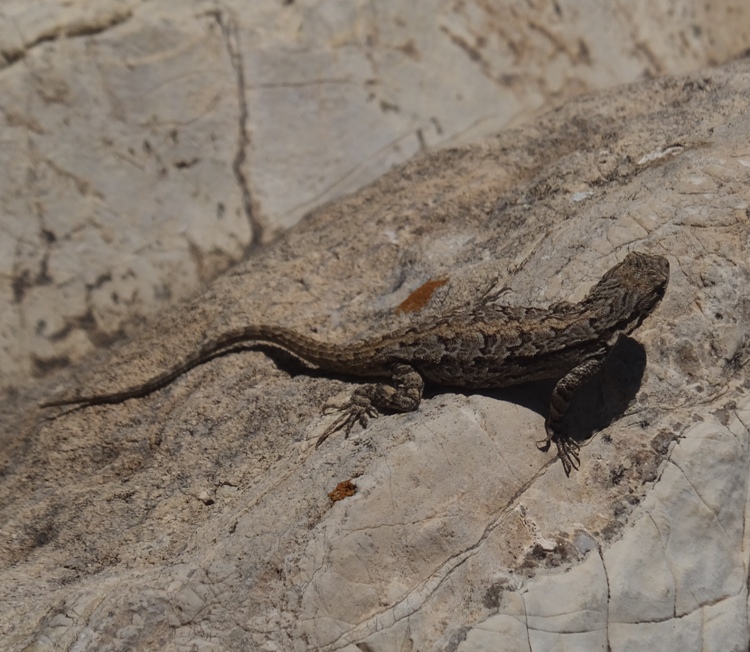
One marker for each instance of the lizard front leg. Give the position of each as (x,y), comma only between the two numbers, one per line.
(367,401)
(567,448)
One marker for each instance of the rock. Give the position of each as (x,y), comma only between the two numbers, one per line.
(461,535)
(149,146)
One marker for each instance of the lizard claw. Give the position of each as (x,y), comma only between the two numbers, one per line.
(359,409)
(567,451)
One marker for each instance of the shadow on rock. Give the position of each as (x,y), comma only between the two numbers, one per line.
(597,403)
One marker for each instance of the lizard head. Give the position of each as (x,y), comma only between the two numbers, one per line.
(632,288)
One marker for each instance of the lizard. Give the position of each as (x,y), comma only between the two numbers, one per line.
(483,347)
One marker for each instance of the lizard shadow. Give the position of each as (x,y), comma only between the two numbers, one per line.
(596,404)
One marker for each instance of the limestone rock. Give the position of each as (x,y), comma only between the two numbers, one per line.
(199,517)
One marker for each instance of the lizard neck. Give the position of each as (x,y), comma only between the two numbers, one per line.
(612,313)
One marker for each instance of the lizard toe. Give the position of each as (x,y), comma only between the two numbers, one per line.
(359,409)
(567,451)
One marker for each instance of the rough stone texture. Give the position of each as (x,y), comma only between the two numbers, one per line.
(198,517)
(148,145)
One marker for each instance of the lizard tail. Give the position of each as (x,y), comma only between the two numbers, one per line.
(319,353)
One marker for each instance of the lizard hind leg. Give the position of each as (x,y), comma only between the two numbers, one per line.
(367,401)
(567,448)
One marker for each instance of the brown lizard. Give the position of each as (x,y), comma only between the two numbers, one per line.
(485,347)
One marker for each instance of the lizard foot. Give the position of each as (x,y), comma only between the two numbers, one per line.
(359,409)
(567,451)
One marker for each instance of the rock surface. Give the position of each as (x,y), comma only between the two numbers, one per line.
(199,517)
(149,145)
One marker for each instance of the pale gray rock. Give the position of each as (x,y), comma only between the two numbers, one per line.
(199,518)
(149,145)
(676,578)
